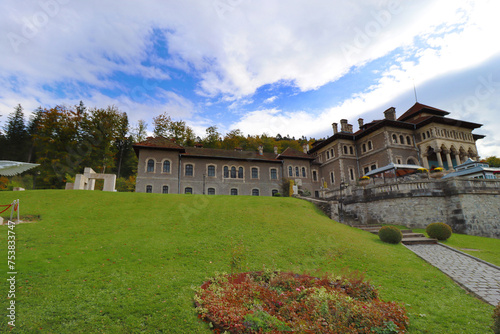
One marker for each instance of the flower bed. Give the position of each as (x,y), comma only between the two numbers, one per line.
(275,302)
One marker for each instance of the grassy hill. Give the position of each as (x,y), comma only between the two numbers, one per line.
(127,262)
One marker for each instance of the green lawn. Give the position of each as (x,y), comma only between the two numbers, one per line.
(126,262)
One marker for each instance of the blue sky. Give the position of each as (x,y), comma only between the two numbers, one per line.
(269,67)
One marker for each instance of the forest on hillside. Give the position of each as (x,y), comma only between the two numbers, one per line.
(64,140)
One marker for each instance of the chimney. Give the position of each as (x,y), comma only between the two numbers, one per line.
(275,149)
(349,128)
(335,128)
(390,114)
(360,122)
(343,125)
(305,148)
(261,149)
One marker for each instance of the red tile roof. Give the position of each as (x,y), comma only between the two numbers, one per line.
(418,108)
(160,142)
(293,153)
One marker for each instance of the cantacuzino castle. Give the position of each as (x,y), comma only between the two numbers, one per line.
(422,136)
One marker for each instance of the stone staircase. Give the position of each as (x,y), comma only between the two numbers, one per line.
(409,237)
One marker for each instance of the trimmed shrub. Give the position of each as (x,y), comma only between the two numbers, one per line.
(440,231)
(496,320)
(390,234)
(277,195)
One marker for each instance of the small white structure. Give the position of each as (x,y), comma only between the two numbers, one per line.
(474,169)
(86,181)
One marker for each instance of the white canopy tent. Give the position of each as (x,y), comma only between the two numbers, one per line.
(11,168)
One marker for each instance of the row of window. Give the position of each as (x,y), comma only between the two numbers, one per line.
(401,140)
(448,134)
(299,172)
(210,191)
(229,172)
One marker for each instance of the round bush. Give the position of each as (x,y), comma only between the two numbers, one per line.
(390,234)
(439,231)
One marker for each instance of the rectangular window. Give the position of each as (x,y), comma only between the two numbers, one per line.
(274,174)
(290,171)
(351,174)
(166,166)
(373,167)
(188,190)
(303,172)
(255,173)
(327,155)
(255,192)
(211,170)
(165,190)
(149,189)
(189,170)
(297,172)
(332,178)
(366,170)
(315,176)
(211,191)
(234,191)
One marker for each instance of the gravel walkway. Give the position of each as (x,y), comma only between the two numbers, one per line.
(479,277)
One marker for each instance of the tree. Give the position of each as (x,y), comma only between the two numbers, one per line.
(176,130)
(139,131)
(493,161)
(16,136)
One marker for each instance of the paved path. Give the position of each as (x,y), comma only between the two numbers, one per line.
(479,278)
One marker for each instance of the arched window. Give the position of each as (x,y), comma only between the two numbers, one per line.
(331,153)
(401,139)
(274,174)
(165,190)
(290,171)
(364,148)
(188,190)
(189,170)
(423,135)
(327,154)
(428,134)
(234,191)
(408,140)
(211,191)
(151,166)
(166,166)
(370,146)
(274,192)
(411,162)
(332,178)
(394,139)
(315,176)
(233,172)
(149,189)
(297,172)
(255,173)
(351,150)
(303,172)
(255,192)
(240,173)
(211,170)
(345,149)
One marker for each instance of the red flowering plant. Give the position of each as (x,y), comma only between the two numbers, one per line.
(275,302)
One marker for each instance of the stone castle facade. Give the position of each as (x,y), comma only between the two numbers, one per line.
(423,136)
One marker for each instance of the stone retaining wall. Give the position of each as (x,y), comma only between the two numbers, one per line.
(469,206)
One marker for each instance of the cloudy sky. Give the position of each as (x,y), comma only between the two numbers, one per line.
(263,66)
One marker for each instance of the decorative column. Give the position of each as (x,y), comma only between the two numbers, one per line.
(457,159)
(448,159)
(438,155)
(425,161)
